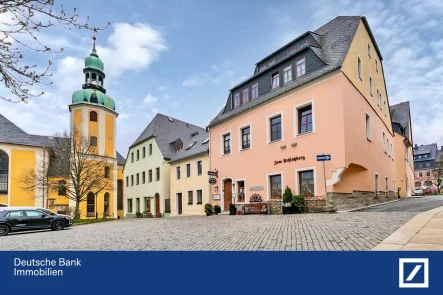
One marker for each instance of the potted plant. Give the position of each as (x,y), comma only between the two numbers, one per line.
(149,215)
(287,201)
(232,209)
(299,203)
(217,209)
(208,209)
(138,215)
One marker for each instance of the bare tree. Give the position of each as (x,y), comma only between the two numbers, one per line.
(75,170)
(21,21)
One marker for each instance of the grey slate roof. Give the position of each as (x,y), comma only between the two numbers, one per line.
(401,118)
(426,149)
(166,131)
(198,148)
(120,159)
(56,145)
(10,133)
(335,37)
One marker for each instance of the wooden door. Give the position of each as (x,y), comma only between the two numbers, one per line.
(227,189)
(180,203)
(157,203)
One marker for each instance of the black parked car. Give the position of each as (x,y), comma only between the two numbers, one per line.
(28,219)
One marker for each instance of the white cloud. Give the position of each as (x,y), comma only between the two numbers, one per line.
(131,47)
(162,88)
(149,100)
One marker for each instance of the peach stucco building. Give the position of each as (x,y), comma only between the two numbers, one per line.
(323,93)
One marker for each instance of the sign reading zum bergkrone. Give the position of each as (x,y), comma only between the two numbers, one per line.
(288,160)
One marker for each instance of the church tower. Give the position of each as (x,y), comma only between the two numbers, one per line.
(93,116)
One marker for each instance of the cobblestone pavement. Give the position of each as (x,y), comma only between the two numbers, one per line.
(340,231)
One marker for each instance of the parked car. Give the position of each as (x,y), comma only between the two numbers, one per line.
(46,211)
(419,192)
(12,220)
(3,205)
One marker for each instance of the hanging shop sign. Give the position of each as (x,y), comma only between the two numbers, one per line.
(212,180)
(288,160)
(213,173)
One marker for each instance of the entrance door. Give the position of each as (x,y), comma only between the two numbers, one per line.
(180,203)
(157,203)
(227,189)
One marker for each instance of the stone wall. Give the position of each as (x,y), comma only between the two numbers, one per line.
(356,199)
(275,206)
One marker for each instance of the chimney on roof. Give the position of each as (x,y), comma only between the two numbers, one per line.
(207,130)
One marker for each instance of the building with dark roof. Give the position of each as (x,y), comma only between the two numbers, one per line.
(402,126)
(147,169)
(189,186)
(424,166)
(322,93)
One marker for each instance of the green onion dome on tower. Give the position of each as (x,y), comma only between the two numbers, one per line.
(93,91)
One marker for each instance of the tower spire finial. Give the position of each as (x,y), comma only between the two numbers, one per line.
(94,51)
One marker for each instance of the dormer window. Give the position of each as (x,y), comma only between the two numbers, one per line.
(262,68)
(292,50)
(271,63)
(245,95)
(179,146)
(303,44)
(194,134)
(191,145)
(301,67)
(236,100)
(275,80)
(254,91)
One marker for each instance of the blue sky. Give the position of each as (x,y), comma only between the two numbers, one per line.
(181,57)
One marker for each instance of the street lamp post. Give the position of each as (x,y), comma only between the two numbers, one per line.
(96,203)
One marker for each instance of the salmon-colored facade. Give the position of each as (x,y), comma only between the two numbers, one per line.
(348,123)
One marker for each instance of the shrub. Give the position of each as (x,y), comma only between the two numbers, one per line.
(208,209)
(287,197)
(298,201)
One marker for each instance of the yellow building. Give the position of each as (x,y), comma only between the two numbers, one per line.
(401,124)
(188,177)
(30,164)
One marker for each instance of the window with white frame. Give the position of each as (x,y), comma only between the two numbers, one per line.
(275,80)
(236,100)
(301,67)
(304,117)
(245,96)
(199,196)
(227,144)
(287,74)
(368,127)
(190,198)
(245,138)
(359,69)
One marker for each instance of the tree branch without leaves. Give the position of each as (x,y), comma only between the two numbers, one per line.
(72,169)
(21,21)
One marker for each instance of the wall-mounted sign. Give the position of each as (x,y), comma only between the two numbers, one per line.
(212,180)
(213,173)
(288,160)
(256,188)
(216,197)
(323,158)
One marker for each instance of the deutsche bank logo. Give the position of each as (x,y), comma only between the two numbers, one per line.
(414,272)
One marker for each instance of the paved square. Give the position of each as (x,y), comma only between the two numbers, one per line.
(340,231)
